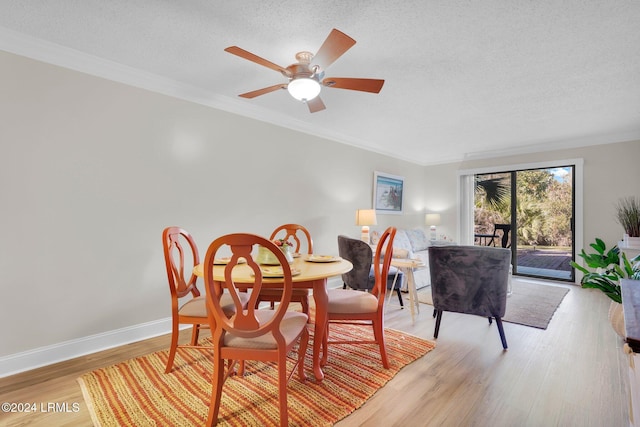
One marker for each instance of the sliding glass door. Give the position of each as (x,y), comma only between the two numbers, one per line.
(530,211)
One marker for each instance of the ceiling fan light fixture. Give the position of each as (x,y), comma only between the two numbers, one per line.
(304,88)
(306,78)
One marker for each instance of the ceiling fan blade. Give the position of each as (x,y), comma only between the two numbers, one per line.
(255,58)
(264,90)
(316,105)
(363,85)
(333,47)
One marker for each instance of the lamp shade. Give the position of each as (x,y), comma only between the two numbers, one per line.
(304,88)
(366,217)
(432,219)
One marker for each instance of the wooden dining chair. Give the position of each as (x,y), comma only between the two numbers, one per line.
(251,334)
(187,305)
(298,234)
(360,307)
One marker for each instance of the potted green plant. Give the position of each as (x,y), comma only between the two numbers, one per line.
(628,215)
(605,274)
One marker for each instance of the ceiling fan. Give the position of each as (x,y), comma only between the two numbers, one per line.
(306,77)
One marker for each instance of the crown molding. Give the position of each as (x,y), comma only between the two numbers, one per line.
(555,145)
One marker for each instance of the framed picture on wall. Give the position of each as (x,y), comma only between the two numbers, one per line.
(388,192)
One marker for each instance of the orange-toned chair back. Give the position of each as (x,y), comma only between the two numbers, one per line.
(175,241)
(381,263)
(292,232)
(244,323)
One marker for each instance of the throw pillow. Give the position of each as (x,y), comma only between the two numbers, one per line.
(418,239)
(402,243)
(400,253)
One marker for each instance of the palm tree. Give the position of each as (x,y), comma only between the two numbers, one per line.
(493,190)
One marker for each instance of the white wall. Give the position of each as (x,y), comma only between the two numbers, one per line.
(93,170)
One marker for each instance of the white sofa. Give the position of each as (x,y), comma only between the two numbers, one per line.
(412,243)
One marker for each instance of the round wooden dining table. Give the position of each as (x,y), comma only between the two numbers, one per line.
(312,275)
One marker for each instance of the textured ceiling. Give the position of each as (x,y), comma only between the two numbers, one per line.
(464,79)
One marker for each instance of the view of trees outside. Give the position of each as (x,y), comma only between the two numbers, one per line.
(492,201)
(543,209)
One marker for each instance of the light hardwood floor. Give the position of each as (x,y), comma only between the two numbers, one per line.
(572,374)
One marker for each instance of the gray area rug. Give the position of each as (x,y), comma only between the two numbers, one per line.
(530,304)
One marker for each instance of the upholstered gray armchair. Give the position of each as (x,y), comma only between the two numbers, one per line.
(361,276)
(470,280)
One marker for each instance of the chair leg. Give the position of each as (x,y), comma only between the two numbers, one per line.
(173,347)
(400,298)
(501,330)
(325,346)
(305,307)
(302,351)
(438,320)
(378,333)
(282,389)
(216,390)
(231,368)
(195,333)
(490,320)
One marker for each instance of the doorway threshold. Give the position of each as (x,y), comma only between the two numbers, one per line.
(544,273)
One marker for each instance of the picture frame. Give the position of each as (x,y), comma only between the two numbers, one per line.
(388,193)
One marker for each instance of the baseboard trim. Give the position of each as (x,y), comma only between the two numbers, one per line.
(43,356)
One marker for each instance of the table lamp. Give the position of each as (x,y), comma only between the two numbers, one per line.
(365,218)
(432,220)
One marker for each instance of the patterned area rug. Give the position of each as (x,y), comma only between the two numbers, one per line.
(530,304)
(138,392)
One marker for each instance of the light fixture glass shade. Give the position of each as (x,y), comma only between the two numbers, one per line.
(365,218)
(304,88)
